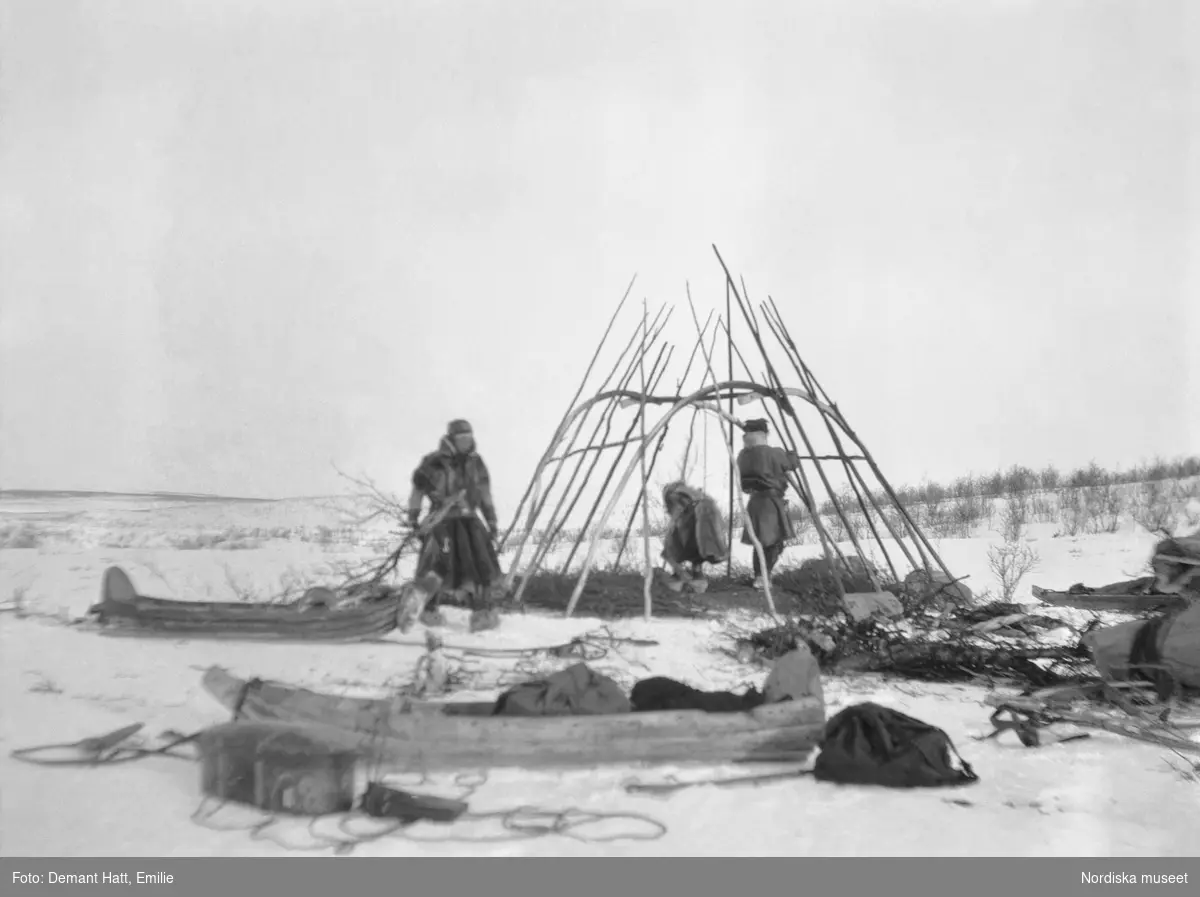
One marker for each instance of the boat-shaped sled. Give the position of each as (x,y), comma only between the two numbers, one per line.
(1134,597)
(401,735)
(122,610)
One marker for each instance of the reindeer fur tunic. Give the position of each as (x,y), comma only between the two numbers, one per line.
(444,474)
(458,548)
(763,471)
(696,534)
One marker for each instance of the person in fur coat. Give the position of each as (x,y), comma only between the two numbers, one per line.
(459,547)
(695,535)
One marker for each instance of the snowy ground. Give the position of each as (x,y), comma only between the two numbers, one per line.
(1103,796)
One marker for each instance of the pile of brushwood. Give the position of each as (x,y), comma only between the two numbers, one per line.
(942,635)
(991,642)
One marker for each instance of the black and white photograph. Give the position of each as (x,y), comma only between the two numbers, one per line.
(605,428)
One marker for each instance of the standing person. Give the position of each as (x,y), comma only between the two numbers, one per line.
(458,547)
(763,471)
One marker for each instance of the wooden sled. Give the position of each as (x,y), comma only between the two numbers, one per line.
(123,611)
(400,735)
(1133,600)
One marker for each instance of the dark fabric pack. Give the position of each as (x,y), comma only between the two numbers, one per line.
(392,803)
(661,693)
(576,691)
(1145,658)
(868,744)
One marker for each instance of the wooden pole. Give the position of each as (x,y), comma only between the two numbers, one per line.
(578,414)
(758,548)
(572,418)
(679,384)
(897,537)
(851,471)
(558,517)
(922,544)
(805,499)
(637,504)
(656,374)
(648,569)
(561,516)
(680,403)
(529,489)
(657,370)
(687,449)
(733,462)
(738,389)
(828,546)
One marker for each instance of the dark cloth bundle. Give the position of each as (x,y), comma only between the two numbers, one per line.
(661,693)
(868,744)
(577,690)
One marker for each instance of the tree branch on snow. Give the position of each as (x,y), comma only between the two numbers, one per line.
(370,504)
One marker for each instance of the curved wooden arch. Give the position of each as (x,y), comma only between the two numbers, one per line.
(549,459)
(682,403)
(747,392)
(705,398)
(741,390)
(710,408)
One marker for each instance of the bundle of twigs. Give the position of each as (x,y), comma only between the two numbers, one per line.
(374,575)
(950,649)
(960,659)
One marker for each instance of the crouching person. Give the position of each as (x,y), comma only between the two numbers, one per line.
(695,536)
(459,547)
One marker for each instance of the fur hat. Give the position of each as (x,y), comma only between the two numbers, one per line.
(758,425)
(458,427)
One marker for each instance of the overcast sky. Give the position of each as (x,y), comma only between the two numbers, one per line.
(243,240)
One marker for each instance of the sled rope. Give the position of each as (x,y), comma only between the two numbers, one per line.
(103,750)
(589,646)
(110,748)
(523,823)
(518,823)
